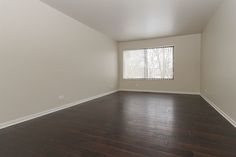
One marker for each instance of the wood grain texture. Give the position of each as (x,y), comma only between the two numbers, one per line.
(125,124)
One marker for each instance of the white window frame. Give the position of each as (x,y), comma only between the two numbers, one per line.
(148,78)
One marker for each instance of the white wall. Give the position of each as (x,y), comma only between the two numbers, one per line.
(186,64)
(45,54)
(218,59)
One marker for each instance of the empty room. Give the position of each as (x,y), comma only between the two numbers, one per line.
(118,78)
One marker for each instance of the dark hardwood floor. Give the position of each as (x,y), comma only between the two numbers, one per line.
(125,124)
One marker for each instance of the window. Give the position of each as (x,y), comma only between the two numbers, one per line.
(153,63)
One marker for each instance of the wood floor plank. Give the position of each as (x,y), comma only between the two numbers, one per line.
(125,124)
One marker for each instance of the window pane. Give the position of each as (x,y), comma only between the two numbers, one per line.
(160,63)
(155,63)
(133,64)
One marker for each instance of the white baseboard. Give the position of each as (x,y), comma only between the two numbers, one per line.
(40,114)
(154,91)
(219,110)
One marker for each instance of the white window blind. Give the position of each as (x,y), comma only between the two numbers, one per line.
(153,63)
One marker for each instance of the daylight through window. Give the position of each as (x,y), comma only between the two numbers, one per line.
(151,63)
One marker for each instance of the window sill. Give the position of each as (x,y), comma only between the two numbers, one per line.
(149,79)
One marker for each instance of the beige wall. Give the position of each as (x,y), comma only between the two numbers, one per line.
(218,70)
(186,64)
(45,54)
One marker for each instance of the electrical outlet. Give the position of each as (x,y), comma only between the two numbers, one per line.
(61,97)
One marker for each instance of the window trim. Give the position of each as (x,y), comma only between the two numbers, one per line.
(150,79)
